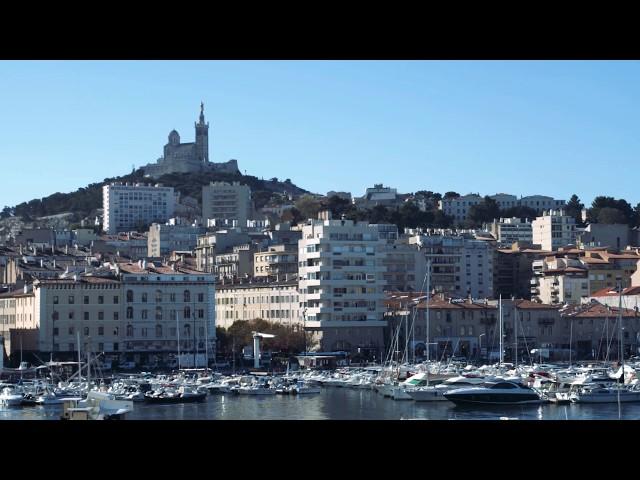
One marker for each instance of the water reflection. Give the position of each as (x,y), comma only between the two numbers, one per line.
(342,404)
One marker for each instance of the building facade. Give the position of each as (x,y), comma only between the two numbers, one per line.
(131,206)
(278,302)
(279,262)
(341,280)
(554,229)
(226,201)
(511,230)
(164,239)
(132,313)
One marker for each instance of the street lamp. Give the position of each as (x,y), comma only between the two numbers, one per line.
(480,345)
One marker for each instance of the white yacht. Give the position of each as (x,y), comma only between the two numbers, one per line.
(605,394)
(435,393)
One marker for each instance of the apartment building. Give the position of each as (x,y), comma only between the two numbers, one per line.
(553,230)
(129,207)
(511,230)
(460,266)
(210,244)
(129,311)
(278,262)
(459,207)
(572,276)
(513,270)
(278,302)
(341,280)
(164,238)
(226,201)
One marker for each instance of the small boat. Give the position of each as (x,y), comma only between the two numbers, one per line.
(501,393)
(182,395)
(9,397)
(301,388)
(602,394)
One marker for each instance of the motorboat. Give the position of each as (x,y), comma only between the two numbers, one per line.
(605,394)
(10,398)
(97,406)
(435,393)
(301,388)
(500,393)
(181,395)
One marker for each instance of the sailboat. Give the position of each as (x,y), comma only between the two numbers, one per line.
(613,393)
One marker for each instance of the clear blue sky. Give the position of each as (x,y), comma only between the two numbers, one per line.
(552,128)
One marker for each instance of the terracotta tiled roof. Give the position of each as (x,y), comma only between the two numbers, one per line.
(529,305)
(610,292)
(595,310)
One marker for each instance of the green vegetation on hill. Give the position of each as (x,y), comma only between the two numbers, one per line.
(84,201)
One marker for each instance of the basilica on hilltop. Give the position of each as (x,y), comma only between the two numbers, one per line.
(190,157)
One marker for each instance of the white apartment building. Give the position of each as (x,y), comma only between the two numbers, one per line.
(510,230)
(458,208)
(554,229)
(459,266)
(341,280)
(278,302)
(226,201)
(127,206)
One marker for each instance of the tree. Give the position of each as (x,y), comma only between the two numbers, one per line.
(485,211)
(520,211)
(339,206)
(308,206)
(574,208)
(611,215)
(609,202)
(451,195)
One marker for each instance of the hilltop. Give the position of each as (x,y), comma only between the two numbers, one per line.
(85,201)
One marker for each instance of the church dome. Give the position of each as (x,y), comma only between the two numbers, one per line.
(174,138)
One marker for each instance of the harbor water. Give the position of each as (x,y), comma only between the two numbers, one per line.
(342,404)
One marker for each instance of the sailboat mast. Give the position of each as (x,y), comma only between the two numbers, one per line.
(515,334)
(178,334)
(79,358)
(428,300)
(500,304)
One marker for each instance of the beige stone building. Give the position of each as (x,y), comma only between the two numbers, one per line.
(278,302)
(132,313)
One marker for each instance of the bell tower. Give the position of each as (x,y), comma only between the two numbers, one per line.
(202,137)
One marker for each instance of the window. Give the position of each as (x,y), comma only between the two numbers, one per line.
(129,330)
(101,299)
(86,299)
(71,347)
(72,299)
(55,300)
(55,331)
(144,297)
(201,297)
(55,316)
(116,299)
(70,330)
(187,312)
(158,331)
(115,316)
(187,296)
(158,313)
(70,315)
(100,330)
(172,297)
(101,347)
(86,315)
(187,329)
(100,315)
(129,296)
(158,296)
(115,347)
(129,312)
(116,330)
(86,331)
